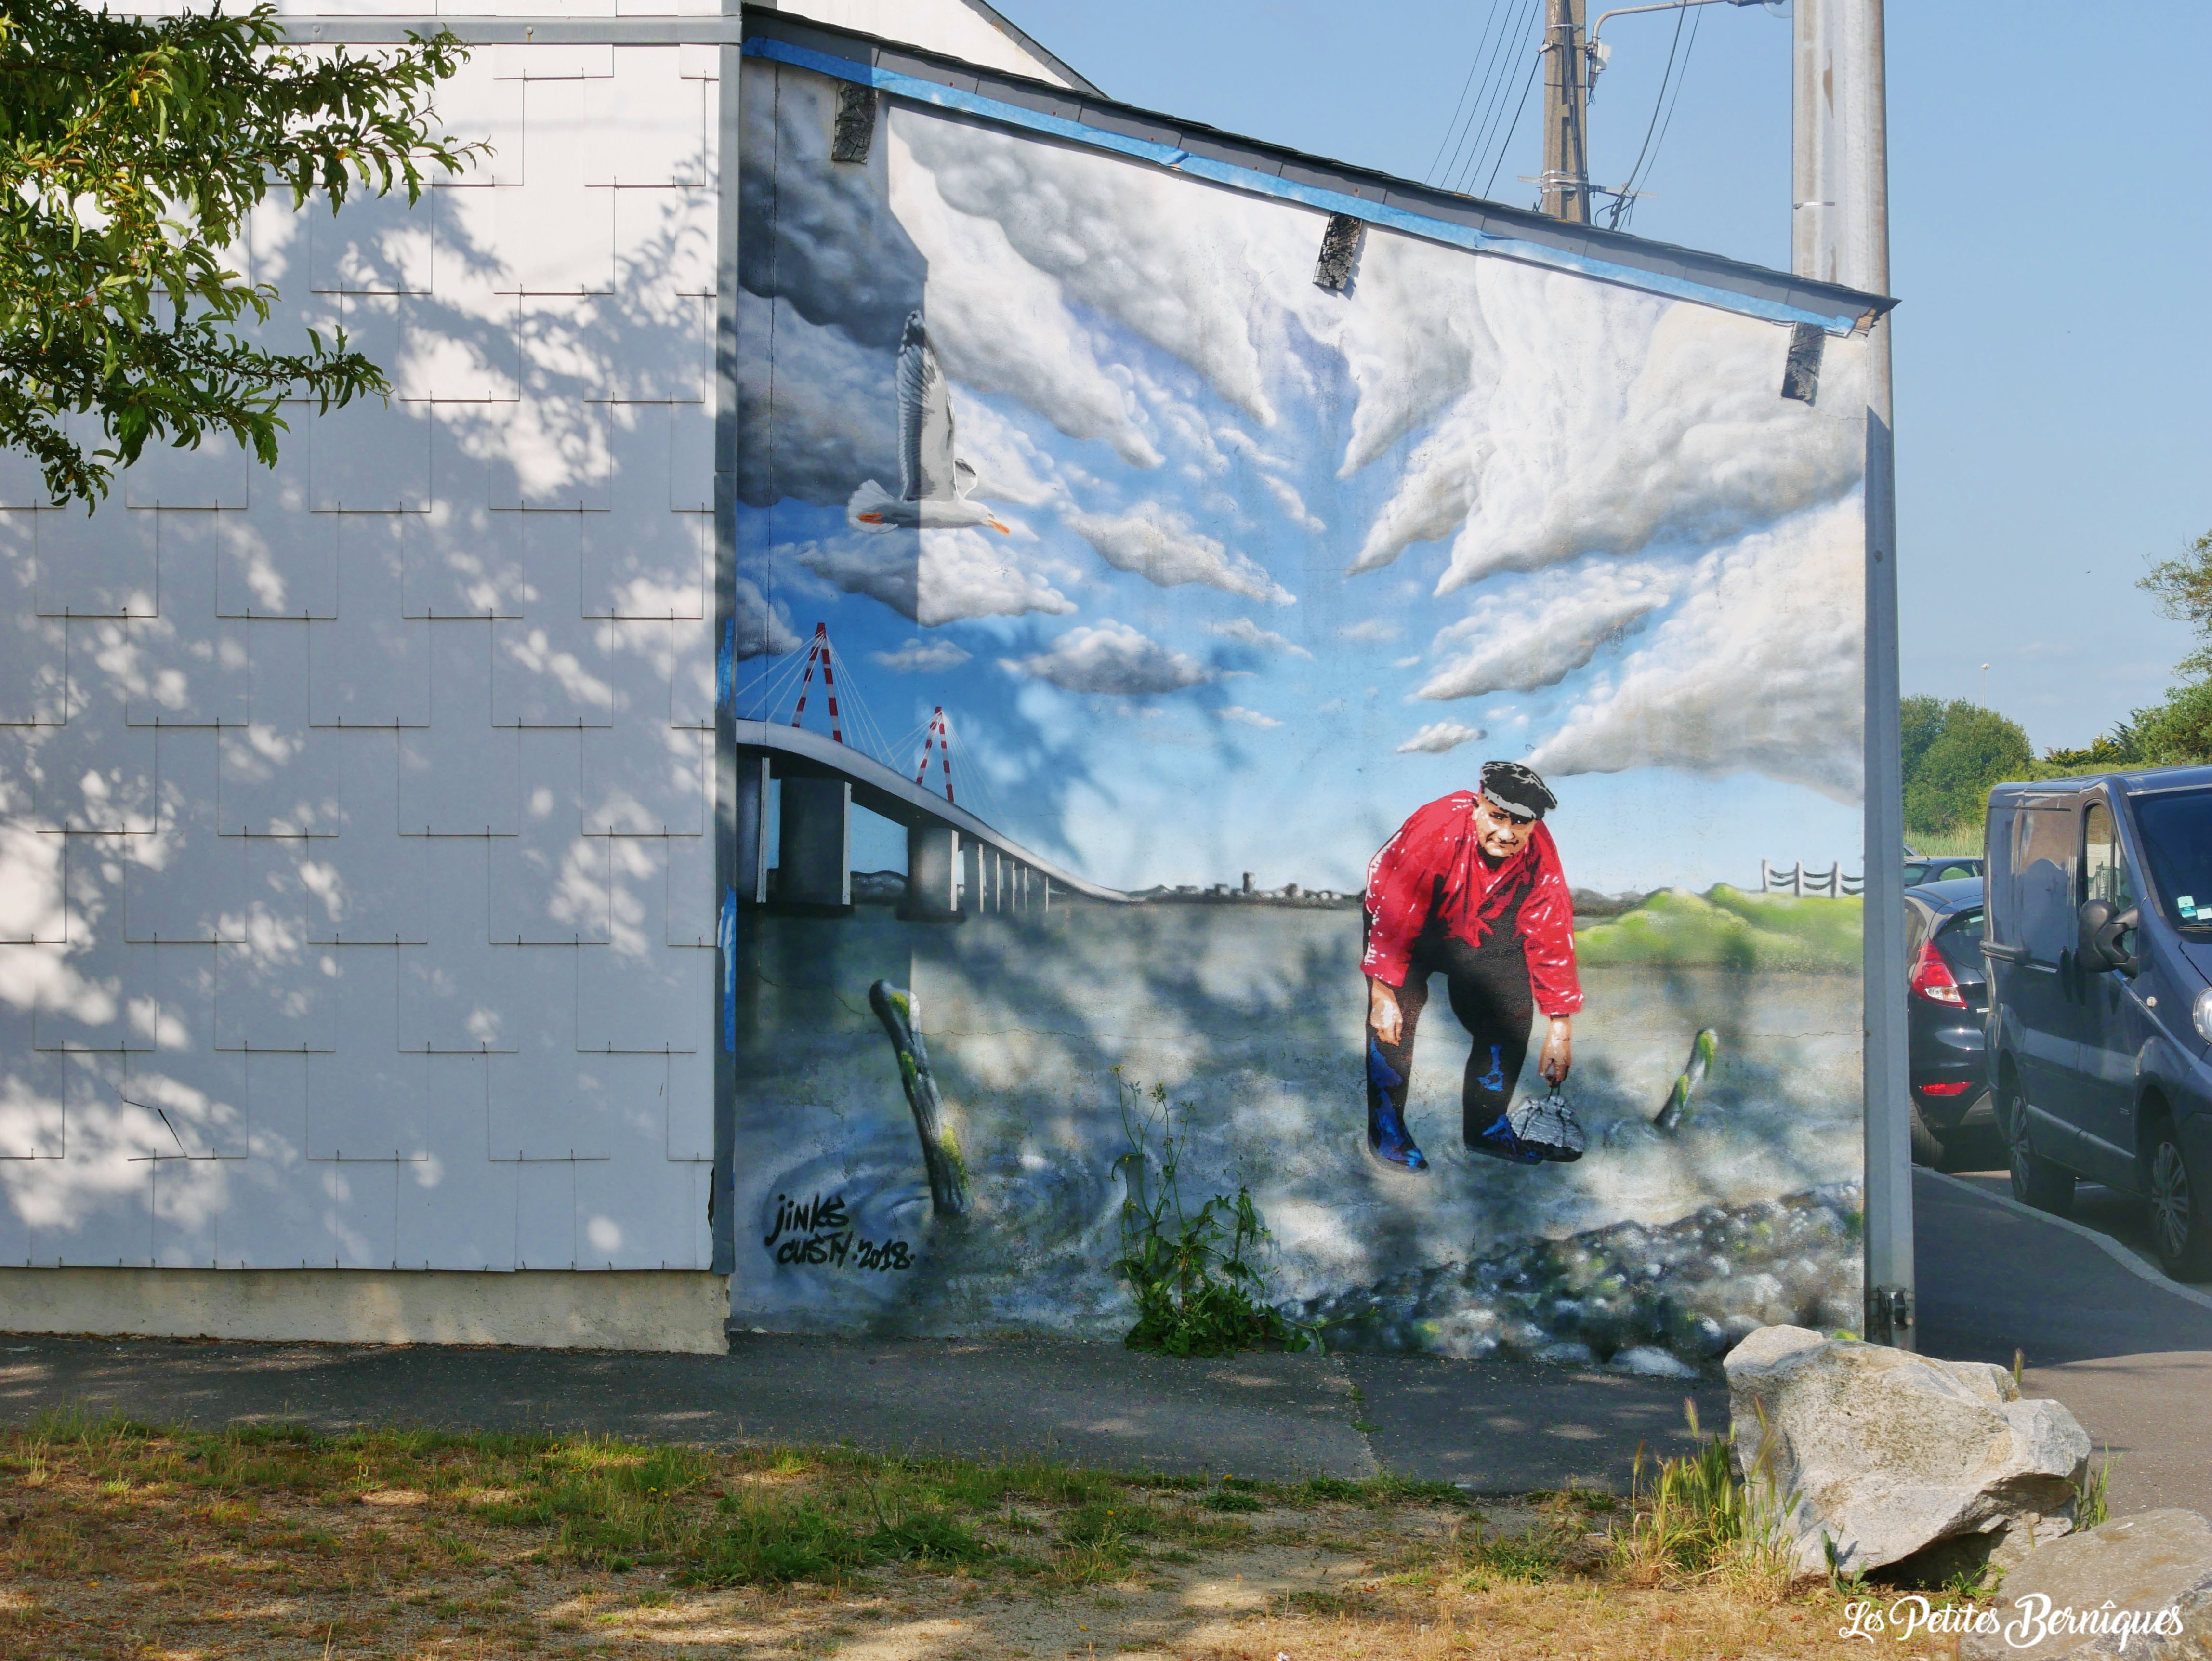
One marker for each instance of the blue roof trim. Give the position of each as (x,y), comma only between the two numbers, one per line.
(1260,184)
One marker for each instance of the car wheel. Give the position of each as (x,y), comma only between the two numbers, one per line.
(2179,1220)
(2035,1180)
(1926,1146)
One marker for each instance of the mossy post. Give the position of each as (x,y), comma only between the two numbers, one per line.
(1668,1119)
(948,1172)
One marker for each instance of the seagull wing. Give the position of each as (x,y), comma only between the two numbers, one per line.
(926,460)
(914,366)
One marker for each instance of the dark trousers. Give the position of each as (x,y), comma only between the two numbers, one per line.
(1488,986)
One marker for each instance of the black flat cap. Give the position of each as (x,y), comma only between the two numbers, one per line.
(1517,790)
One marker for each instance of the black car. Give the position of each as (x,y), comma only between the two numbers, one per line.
(1921,869)
(1948,1003)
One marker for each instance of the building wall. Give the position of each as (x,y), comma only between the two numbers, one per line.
(1219,568)
(354,848)
(533,1309)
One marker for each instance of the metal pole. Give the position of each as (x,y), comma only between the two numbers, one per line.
(1839,232)
(1566,100)
(733,981)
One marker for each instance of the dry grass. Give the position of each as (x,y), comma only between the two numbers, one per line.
(120,1540)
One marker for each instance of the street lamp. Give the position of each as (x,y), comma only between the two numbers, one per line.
(1600,52)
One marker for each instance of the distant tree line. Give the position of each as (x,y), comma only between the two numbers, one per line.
(1953,752)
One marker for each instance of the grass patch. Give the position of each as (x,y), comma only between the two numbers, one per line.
(1231,1500)
(125,1539)
(1729,928)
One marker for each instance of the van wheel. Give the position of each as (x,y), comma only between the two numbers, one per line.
(2035,1180)
(1926,1146)
(2178,1221)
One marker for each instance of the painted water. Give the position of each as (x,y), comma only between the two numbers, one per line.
(1045,1030)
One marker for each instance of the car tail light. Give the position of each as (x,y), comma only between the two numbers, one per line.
(1947,1087)
(1932,979)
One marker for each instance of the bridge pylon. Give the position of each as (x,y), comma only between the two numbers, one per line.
(817,651)
(939,734)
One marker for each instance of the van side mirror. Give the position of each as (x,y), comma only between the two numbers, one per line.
(2105,936)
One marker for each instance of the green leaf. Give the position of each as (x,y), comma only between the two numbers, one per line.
(131,152)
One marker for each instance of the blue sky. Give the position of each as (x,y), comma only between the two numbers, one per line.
(2047,244)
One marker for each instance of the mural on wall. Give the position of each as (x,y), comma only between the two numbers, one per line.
(1174,671)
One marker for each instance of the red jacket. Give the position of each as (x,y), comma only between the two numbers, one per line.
(1434,866)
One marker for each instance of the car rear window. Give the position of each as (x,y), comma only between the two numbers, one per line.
(1960,941)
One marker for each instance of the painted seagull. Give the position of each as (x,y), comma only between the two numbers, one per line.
(933,482)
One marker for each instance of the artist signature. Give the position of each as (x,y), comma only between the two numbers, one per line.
(818,1232)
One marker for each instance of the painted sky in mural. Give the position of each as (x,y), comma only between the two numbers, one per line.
(1280,563)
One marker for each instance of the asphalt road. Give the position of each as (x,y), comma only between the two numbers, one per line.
(2098,1325)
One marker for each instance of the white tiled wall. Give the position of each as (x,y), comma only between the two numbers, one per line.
(356,900)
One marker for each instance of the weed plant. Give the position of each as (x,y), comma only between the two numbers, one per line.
(1195,1274)
(1694,1517)
(2092,1500)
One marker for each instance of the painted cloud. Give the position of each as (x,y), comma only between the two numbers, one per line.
(1163,547)
(1112,658)
(1540,631)
(1759,669)
(935,577)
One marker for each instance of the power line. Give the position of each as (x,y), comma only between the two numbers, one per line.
(1620,203)
(1660,143)
(1473,63)
(1494,75)
(1497,107)
(1534,63)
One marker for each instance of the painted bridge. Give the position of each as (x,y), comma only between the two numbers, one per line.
(955,862)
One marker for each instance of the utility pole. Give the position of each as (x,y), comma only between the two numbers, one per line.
(1566,113)
(1839,233)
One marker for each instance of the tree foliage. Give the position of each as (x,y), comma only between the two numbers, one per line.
(2121,747)
(2179,729)
(130,154)
(2183,587)
(1953,752)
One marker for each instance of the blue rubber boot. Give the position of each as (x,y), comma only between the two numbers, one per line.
(1500,1142)
(1388,1138)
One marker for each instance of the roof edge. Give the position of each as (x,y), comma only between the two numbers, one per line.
(1030,44)
(1206,152)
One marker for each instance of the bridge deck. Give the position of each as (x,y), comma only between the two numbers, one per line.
(885,791)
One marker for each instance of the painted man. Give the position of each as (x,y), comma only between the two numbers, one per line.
(1471,886)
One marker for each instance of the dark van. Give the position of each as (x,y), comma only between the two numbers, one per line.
(2098,940)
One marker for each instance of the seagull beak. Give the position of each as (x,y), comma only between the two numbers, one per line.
(1000,529)
(871,519)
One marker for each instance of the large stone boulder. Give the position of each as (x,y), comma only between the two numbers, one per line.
(1897,1460)
(2142,1584)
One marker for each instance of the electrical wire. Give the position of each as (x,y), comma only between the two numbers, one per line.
(1493,59)
(1620,203)
(1473,63)
(1660,143)
(1507,143)
(1531,21)
(1497,77)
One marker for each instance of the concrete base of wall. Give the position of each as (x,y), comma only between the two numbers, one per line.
(655,1310)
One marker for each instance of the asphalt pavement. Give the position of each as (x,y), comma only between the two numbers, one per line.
(1494,1428)
(2099,1326)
